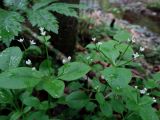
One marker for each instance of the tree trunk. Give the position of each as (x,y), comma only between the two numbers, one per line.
(66,39)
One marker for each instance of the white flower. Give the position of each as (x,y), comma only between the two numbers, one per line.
(33,68)
(0,37)
(102,77)
(69,58)
(93,39)
(136,87)
(135,55)
(142,91)
(28,62)
(147,94)
(141,49)
(21,40)
(133,39)
(99,43)
(43,33)
(32,42)
(66,60)
(145,89)
(154,99)
(41,29)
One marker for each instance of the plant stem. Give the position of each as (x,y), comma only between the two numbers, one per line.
(121,56)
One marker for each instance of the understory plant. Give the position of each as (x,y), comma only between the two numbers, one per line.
(99,84)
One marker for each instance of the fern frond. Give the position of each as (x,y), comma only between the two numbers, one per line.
(16,4)
(43,18)
(64,9)
(10,25)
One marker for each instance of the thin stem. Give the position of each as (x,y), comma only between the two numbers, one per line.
(106,57)
(121,56)
(125,63)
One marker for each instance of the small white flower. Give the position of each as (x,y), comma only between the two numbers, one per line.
(64,61)
(32,42)
(69,58)
(99,43)
(133,39)
(136,87)
(102,77)
(41,29)
(147,94)
(93,39)
(154,99)
(0,37)
(142,91)
(145,89)
(21,40)
(28,62)
(33,68)
(135,55)
(141,49)
(43,33)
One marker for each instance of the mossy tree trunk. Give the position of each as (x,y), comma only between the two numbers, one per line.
(66,39)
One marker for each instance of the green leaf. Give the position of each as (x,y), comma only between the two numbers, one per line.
(150,83)
(10,25)
(41,3)
(117,77)
(16,4)
(156,76)
(19,78)
(15,115)
(10,58)
(5,96)
(148,113)
(43,18)
(64,9)
(31,101)
(117,106)
(34,115)
(77,99)
(122,36)
(55,88)
(128,51)
(91,106)
(106,109)
(73,71)
(109,50)
(100,98)
(46,67)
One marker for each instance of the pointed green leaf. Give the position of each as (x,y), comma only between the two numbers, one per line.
(73,71)
(19,78)
(10,58)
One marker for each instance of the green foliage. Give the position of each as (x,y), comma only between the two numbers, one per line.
(73,71)
(55,88)
(115,77)
(10,58)
(10,25)
(40,14)
(18,78)
(98,83)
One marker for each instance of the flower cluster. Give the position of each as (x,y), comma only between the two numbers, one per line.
(66,60)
